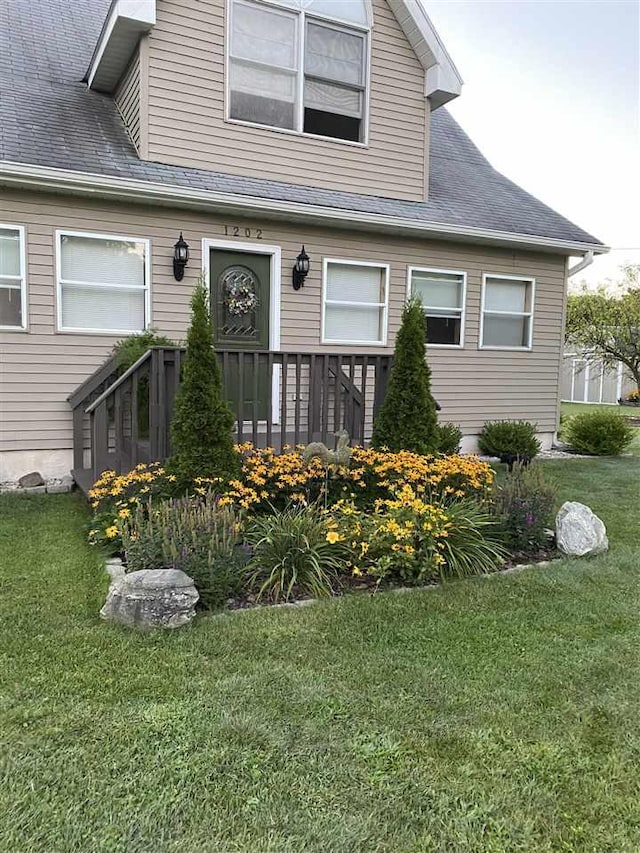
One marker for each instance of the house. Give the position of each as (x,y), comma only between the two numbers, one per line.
(254,128)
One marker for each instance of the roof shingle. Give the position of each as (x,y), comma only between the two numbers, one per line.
(48,117)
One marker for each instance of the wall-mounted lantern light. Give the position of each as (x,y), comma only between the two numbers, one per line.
(180,258)
(300,269)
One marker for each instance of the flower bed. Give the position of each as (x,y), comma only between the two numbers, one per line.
(289,528)
(269,480)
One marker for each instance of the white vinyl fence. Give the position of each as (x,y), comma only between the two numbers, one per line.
(585,380)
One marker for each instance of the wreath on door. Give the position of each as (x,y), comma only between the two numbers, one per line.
(239,285)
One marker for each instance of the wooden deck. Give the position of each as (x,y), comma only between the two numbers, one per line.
(279,398)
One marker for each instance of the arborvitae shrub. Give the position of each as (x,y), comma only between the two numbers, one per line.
(407,419)
(515,439)
(599,433)
(201,430)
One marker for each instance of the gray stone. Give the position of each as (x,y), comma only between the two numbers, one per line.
(58,488)
(579,532)
(30,480)
(152,598)
(35,490)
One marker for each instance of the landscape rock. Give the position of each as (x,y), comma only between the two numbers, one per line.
(579,532)
(58,488)
(31,480)
(151,598)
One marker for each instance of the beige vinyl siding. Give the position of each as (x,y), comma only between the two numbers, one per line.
(127,100)
(186,98)
(40,368)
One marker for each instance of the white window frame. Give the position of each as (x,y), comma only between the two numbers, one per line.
(147,282)
(22,278)
(384,305)
(530,314)
(463,309)
(303,16)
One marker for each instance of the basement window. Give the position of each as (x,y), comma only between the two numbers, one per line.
(13,313)
(300,67)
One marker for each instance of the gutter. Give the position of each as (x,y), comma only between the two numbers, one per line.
(29,176)
(581,265)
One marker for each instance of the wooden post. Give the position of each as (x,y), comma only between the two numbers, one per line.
(78,437)
(100,424)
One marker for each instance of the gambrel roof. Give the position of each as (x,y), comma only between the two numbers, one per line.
(56,132)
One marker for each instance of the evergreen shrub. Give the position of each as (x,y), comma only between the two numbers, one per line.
(449,437)
(201,430)
(515,440)
(407,418)
(598,433)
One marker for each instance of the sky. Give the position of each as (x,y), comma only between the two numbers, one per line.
(551,97)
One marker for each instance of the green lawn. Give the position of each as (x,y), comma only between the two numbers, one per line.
(570,409)
(493,714)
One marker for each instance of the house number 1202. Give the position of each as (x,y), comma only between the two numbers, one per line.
(237,231)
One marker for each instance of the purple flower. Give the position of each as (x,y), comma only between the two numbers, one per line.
(529,518)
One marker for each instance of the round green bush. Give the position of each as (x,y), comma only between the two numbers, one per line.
(513,439)
(598,433)
(129,350)
(448,437)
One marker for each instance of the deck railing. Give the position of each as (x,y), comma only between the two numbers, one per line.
(279,398)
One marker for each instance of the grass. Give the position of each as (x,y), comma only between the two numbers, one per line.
(569,409)
(498,714)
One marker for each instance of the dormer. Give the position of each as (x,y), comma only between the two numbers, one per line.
(335,95)
(126,22)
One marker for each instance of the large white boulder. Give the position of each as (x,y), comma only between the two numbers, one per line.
(579,531)
(152,598)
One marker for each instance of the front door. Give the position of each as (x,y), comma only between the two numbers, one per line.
(240,301)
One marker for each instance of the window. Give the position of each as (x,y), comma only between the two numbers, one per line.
(507,312)
(103,283)
(442,293)
(355,302)
(290,68)
(13,312)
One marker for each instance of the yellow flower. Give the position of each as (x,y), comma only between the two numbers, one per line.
(124,513)
(333,537)
(111,532)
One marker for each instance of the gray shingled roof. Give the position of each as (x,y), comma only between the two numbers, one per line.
(48,117)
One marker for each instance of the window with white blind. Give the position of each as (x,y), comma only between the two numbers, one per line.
(442,293)
(507,312)
(300,66)
(13,299)
(103,283)
(355,297)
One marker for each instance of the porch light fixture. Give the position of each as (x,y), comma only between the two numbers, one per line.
(300,269)
(180,258)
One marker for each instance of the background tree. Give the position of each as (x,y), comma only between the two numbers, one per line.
(407,419)
(608,325)
(201,429)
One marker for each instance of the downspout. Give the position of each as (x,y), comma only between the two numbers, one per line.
(586,261)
